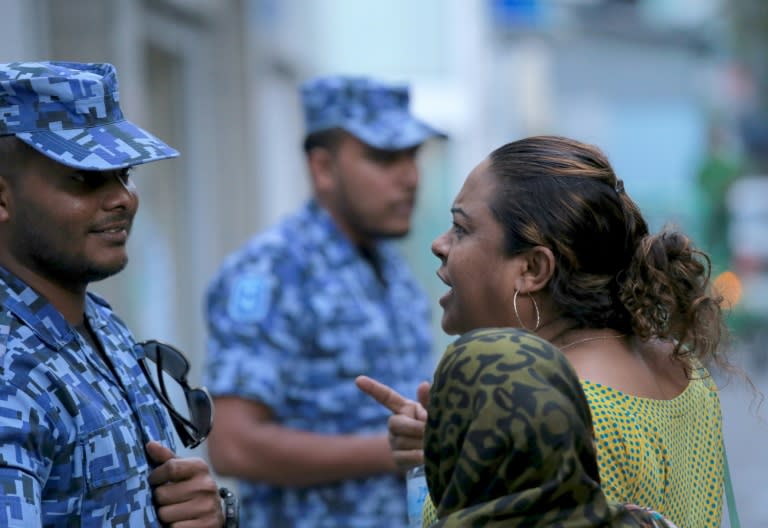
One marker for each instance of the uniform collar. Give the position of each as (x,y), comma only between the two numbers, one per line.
(340,250)
(40,315)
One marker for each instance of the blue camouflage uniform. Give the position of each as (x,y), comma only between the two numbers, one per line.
(294,317)
(72,436)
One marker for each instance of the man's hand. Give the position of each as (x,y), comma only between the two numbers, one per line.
(406,425)
(185,493)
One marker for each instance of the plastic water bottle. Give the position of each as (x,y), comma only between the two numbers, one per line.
(416,481)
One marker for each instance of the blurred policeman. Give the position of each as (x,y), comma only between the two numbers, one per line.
(304,307)
(84,439)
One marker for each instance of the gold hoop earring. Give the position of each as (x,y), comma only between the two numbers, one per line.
(535,307)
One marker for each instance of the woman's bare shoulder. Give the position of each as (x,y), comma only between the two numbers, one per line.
(643,369)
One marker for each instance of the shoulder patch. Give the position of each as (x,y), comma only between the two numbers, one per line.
(250,298)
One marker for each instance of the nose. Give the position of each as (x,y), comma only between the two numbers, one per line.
(408,172)
(440,246)
(120,191)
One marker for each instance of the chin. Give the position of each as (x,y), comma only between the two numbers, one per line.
(449,328)
(104,271)
(394,233)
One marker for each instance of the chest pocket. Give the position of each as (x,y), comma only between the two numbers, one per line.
(116,475)
(113,454)
(347,318)
(347,341)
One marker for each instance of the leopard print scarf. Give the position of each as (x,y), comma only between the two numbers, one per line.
(508,440)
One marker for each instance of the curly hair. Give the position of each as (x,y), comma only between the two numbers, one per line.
(610,271)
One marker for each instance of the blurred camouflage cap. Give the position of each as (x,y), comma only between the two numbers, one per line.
(70,112)
(375,112)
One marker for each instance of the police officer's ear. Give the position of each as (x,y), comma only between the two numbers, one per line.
(13,158)
(5,198)
(322,168)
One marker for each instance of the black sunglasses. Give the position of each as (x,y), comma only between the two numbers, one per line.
(193,427)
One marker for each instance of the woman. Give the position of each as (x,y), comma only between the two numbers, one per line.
(509,442)
(545,238)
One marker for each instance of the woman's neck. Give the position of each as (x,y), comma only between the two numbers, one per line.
(556,330)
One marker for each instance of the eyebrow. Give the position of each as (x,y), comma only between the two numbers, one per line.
(459,211)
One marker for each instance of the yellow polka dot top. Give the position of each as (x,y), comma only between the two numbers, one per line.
(662,454)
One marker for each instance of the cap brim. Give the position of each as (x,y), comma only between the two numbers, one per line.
(106,147)
(393,131)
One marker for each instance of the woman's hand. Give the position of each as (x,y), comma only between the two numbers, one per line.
(406,425)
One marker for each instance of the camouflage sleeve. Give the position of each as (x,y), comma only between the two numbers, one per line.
(26,453)
(252,331)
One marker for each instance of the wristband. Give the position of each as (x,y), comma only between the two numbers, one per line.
(231,508)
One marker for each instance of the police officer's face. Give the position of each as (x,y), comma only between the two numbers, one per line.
(65,225)
(374,191)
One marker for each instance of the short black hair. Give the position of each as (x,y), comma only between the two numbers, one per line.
(14,153)
(328,139)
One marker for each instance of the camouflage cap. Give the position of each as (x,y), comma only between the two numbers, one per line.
(70,112)
(375,112)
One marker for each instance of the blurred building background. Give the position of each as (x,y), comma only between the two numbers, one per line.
(674,91)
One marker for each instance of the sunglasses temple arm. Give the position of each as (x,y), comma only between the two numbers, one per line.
(186,438)
(179,424)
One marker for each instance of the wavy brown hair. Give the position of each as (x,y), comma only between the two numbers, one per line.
(610,271)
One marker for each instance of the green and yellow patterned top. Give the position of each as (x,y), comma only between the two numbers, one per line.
(664,454)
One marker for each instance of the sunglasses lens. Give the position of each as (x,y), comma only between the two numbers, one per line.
(200,410)
(172,360)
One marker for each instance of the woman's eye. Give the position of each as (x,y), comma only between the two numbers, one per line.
(457,229)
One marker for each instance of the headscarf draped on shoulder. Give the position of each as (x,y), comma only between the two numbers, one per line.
(509,442)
